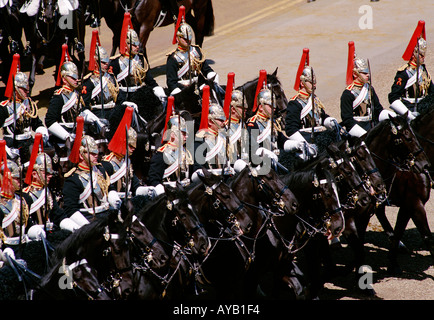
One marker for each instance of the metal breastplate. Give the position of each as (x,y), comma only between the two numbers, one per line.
(37,194)
(424,83)
(13,228)
(216,152)
(171,159)
(136,69)
(120,183)
(183,63)
(364,108)
(99,189)
(23,119)
(71,114)
(306,121)
(107,95)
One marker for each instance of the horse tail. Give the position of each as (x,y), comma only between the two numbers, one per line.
(208,29)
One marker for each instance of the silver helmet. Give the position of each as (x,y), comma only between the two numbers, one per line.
(306,75)
(13,168)
(21,80)
(132,137)
(102,54)
(174,124)
(216,112)
(420,47)
(132,34)
(237,99)
(69,69)
(43,160)
(185,31)
(88,143)
(361,65)
(264,97)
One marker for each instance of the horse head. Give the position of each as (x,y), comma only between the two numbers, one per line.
(361,158)
(186,222)
(350,184)
(394,143)
(224,205)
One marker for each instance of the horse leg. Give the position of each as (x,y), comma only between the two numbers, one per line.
(418,215)
(401,223)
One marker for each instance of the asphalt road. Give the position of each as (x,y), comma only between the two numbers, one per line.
(251,35)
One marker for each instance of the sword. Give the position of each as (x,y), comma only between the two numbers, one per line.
(129,69)
(46,194)
(91,178)
(179,148)
(416,94)
(100,81)
(371,111)
(21,199)
(227,162)
(273,138)
(126,163)
(14,101)
(313,108)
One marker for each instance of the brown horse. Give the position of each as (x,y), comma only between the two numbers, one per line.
(147,15)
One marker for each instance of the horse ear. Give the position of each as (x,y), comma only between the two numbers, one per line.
(275,72)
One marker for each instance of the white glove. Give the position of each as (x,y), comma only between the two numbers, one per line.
(357,131)
(146,191)
(159,92)
(261,152)
(8,252)
(195,176)
(212,74)
(175,91)
(68,224)
(79,219)
(385,114)
(36,232)
(159,189)
(330,123)
(44,131)
(290,145)
(312,149)
(57,130)
(401,109)
(131,104)
(114,199)
(239,165)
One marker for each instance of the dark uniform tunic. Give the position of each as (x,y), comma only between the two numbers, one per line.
(139,74)
(92,93)
(116,168)
(404,85)
(357,107)
(10,209)
(63,108)
(299,115)
(38,201)
(164,166)
(179,71)
(78,194)
(27,121)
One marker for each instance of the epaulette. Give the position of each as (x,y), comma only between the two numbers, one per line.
(161,149)
(403,67)
(58,91)
(294,97)
(109,157)
(4,103)
(26,189)
(350,87)
(251,121)
(70,172)
(87,76)
(115,56)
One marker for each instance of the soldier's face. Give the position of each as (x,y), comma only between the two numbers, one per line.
(364,77)
(70,81)
(421,58)
(184,43)
(104,67)
(23,93)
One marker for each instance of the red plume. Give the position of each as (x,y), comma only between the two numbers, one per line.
(127,24)
(205,108)
(15,66)
(304,61)
(74,155)
(350,63)
(93,43)
(65,56)
(170,112)
(118,142)
(35,150)
(228,93)
(181,17)
(6,186)
(261,81)
(419,31)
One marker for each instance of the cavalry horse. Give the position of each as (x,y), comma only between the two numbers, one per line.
(403,165)
(149,14)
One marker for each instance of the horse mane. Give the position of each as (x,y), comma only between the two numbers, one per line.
(375,131)
(426,106)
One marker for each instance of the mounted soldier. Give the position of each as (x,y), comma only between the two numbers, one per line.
(14,211)
(235,110)
(360,106)
(303,121)
(43,207)
(187,62)
(100,102)
(130,67)
(173,161)
(19,114)
(123,181)
(412,80)
(86,186)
